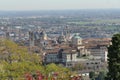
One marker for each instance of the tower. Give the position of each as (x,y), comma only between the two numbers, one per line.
(31,38)
(7,35)
(43,35)
(67,33)
(61,38)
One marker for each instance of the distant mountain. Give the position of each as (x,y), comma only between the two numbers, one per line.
(89,12)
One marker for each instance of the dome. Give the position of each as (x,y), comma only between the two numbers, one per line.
(76,36)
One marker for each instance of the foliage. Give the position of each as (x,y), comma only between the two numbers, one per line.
(114,59)
(16,61)
(78,67)
(92,75)
(101,76)
(62,72)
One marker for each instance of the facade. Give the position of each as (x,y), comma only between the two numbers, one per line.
(77,53)
(77,42)
(51,58)
(66,55)
(62,56)
(35,38)
(87,64)
(99,51)
(93,64)
(61,38)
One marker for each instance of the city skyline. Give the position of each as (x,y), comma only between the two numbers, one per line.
(58,4)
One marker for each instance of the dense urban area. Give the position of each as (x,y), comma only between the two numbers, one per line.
(56,45)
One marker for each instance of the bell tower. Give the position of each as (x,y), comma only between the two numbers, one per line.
(67,33)
(31,38)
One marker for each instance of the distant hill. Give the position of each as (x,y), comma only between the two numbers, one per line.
(85,12)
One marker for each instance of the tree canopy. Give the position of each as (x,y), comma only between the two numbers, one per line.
(16,61)
(114,59)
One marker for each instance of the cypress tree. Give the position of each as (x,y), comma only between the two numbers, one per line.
(114,59)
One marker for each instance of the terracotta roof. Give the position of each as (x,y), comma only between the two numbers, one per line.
(93,42)
(53,51)
(69,52)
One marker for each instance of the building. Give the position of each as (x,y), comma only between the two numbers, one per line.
(76,40)
(65,54)
(61,56)
(36,37)
(99,51)
(77,43)
(61,39)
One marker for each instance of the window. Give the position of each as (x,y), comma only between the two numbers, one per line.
(92,63)
(97,66)
(87,63)
(96,63)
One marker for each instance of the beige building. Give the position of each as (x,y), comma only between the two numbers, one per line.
(62,56)
(76,40)
(99,51)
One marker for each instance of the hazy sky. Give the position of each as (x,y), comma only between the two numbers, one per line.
(57,4)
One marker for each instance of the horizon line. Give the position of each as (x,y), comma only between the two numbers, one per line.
(66,9)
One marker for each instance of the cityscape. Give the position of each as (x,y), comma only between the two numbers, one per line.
(63,44)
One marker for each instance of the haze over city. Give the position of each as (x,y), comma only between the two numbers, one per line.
(59,39)
(58,4)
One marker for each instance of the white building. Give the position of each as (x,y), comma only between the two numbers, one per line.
(99,51)
(62,56)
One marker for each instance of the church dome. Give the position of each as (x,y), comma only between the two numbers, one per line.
(76,36)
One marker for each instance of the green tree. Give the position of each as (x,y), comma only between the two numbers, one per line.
(17,61)
(62,72)
(114,59)
(101,75)
(92,75)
